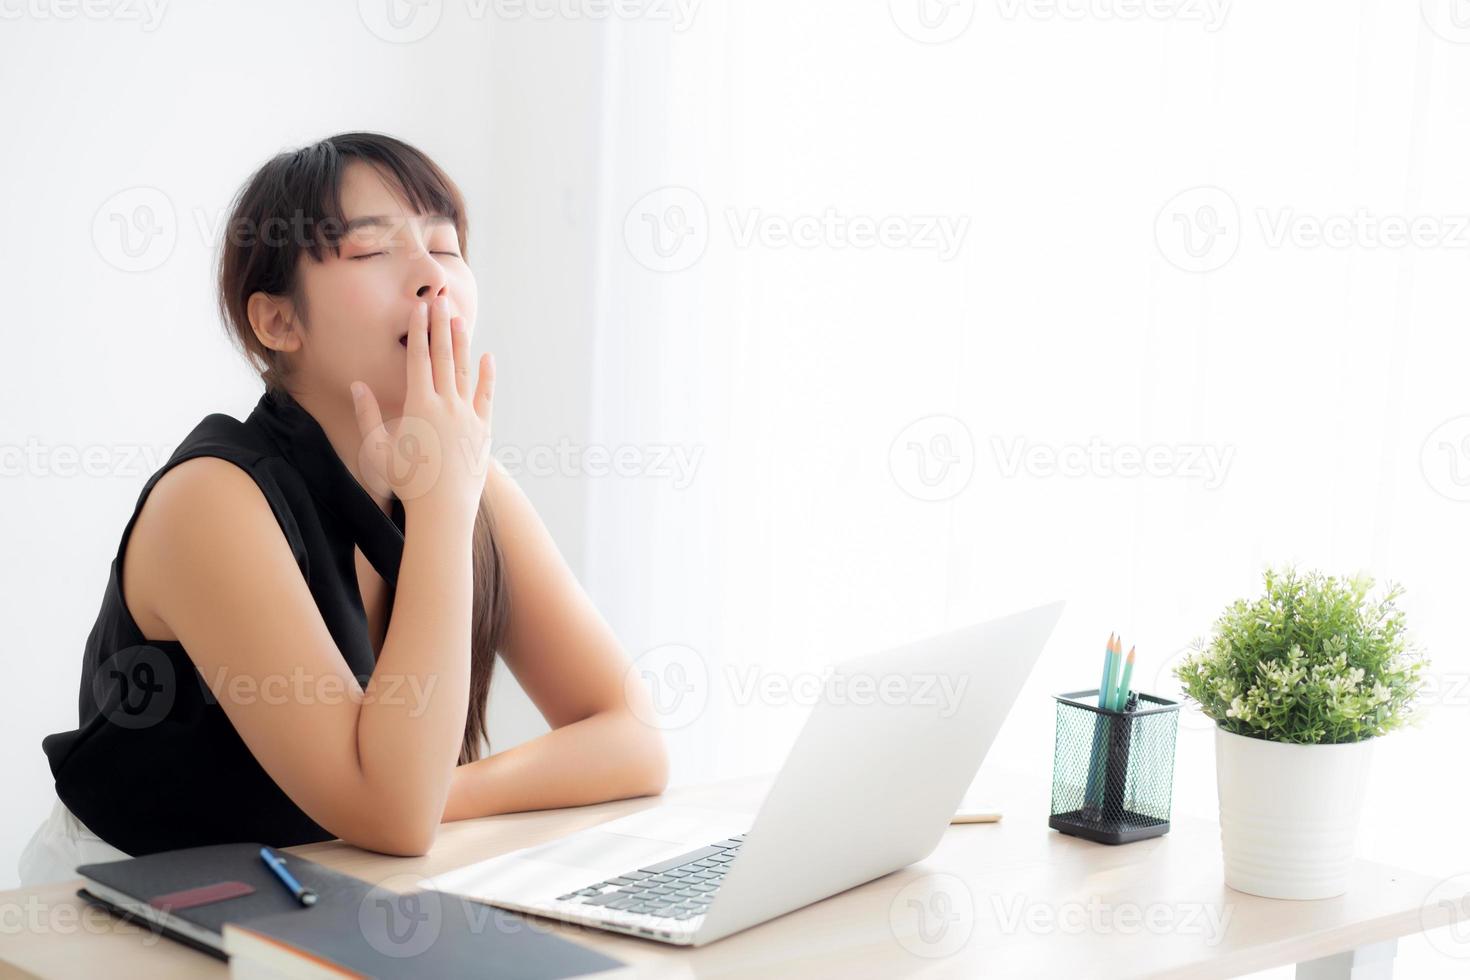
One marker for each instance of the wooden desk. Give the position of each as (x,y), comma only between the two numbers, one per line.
(1011,899)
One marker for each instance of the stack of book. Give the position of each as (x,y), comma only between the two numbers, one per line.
(224,900)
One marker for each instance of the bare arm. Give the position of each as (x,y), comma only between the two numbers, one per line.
(570,663)
(229,589)
(608,756)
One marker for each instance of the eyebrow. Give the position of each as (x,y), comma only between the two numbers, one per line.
(383,221)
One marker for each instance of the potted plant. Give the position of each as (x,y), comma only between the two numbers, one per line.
(1299,682)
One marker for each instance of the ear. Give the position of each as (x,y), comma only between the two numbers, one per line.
(274,321)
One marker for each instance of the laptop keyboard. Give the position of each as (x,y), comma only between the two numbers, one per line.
(679,888)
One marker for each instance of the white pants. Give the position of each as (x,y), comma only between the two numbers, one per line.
(58,846)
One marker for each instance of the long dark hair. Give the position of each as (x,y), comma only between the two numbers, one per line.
(292,206)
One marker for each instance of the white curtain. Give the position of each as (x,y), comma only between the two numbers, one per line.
(1066,306)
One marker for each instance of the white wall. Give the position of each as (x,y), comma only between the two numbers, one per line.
(130,361)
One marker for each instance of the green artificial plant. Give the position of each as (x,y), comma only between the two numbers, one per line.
(1314,660)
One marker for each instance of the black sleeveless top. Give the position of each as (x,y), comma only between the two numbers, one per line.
(154,762)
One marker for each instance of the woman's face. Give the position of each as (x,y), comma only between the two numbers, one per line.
(358,304)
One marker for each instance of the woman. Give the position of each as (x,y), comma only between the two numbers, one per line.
(298,631)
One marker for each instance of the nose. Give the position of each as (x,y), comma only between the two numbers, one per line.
(434,283)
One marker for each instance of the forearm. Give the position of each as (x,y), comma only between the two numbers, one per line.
(607,756)
(412,721)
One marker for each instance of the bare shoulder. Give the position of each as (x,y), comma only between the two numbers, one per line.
(202,506)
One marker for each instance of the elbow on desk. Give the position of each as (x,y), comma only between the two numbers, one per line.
(415,846)
(393,831)
(399,842)
(657,766)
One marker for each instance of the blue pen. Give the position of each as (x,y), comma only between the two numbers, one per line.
(303,895)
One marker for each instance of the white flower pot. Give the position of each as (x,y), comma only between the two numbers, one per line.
(1289,814)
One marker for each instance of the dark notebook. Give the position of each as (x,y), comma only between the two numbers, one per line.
(190,894)
(420,935)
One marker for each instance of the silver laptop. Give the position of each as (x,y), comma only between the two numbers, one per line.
(868,788)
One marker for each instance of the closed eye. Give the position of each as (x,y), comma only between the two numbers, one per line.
(369,255)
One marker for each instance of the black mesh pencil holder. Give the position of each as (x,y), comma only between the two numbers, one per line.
(1113,771)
